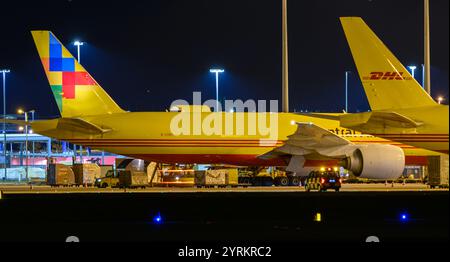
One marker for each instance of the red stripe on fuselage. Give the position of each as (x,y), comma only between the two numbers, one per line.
(251,160)
(238,160)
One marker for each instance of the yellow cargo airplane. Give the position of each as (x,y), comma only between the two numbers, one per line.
(92,119)
(401,110)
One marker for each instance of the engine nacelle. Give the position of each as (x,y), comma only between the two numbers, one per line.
(377,162)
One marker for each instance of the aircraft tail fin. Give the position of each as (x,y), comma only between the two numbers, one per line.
(76,92)
(387,83)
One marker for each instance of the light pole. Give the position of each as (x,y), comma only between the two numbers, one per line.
(347,73)
(32,115)
(413,71)
(31,132)
(20,111)
(285,57)
(4,72)
(217,72)
(78,44)
(440,100)
(427,47)
(423,76)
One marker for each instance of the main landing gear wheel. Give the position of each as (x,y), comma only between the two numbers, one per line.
(284,181)
(295,181)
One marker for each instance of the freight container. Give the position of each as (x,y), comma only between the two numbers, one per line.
(86,174)
(152,169)
(60,175)
(129,179)
(233,177)
(129,173)
(130,164)
(216,178)
(438,171)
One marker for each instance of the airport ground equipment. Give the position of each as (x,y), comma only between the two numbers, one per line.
(130,179)
(110,179)
(227,177)
(438,171)
(60,175)
(104,169)
(268,176)
(86,174)
(129,173)
(257,176)
(323,181)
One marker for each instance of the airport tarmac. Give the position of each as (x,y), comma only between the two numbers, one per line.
(223,218)
(255,214)
(23,189)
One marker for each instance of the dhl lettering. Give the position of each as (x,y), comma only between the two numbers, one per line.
(392,76)
(376,76)
(387,76)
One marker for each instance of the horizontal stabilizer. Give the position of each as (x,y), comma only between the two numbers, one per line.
(14,122)
(81,126)
(335,117)
(63,125)
(378,120)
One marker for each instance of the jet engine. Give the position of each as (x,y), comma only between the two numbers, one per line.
(376,161)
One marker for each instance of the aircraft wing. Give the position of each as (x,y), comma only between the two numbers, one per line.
(311,137)
(312,141)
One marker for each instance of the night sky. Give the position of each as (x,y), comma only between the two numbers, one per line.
(146,54)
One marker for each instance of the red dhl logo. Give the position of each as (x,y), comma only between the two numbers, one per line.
(387,76)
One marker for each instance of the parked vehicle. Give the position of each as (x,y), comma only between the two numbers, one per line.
(323,181)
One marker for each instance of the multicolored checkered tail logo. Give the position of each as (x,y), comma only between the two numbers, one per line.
(76,92)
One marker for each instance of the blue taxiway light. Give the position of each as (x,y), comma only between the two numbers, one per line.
(404,217)
(158,219)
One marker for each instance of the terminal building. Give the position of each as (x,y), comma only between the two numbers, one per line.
(34,152)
